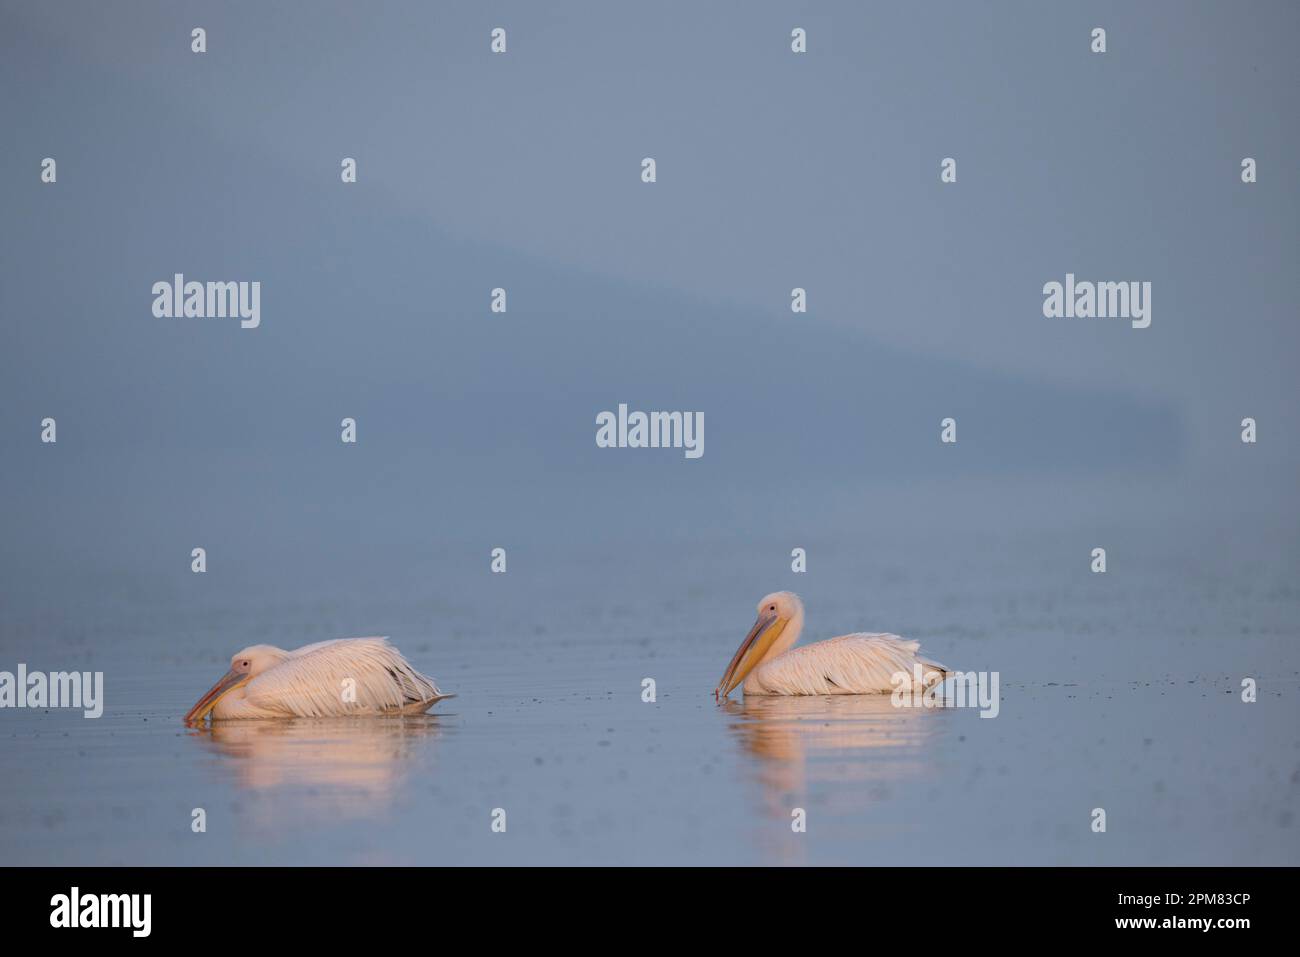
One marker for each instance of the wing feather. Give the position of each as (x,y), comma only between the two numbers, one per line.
(849,664)
(311,681)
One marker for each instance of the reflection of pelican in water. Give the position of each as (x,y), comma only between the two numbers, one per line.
(321,767)
(769,664)
(790,728)
(861,744)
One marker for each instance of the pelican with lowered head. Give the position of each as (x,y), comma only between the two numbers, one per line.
(336,678)
(769,664)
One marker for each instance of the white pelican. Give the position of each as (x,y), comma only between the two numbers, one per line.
(343,676)
(849,664)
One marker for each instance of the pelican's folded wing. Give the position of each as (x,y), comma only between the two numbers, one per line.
(340,677)
(849,664)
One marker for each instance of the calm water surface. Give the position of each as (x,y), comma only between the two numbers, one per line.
(1120,693)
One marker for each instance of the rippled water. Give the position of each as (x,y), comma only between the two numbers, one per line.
(1121,693)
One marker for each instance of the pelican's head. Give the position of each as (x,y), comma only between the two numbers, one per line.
(775,612)
(245,665)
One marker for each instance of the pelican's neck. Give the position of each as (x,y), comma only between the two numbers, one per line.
(789,635)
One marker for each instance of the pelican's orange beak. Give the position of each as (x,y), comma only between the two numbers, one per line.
(228,683)
(751,651)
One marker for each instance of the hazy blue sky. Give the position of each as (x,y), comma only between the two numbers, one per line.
(775,170)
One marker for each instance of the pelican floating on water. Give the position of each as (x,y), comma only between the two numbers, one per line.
(344,676)
(849,664)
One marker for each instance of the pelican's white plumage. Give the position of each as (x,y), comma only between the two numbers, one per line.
(768,664)
(343,676)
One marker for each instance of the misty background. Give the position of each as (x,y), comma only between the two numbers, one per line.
(522,171)
(477,430)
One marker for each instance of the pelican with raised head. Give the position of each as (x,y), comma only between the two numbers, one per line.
(769,664)
(336,678)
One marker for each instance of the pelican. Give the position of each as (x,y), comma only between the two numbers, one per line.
(850,664)
(343,676)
